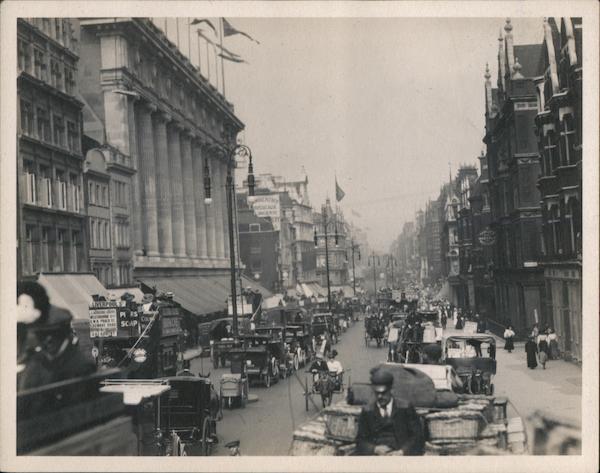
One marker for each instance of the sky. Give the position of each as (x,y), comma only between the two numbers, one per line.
(388,105)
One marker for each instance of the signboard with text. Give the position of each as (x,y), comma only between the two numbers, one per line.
(113,319)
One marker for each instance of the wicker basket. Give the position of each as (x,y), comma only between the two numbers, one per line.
(454,425)
(341,422)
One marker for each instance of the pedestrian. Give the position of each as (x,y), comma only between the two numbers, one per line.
(531,350)
(509,335)
(388,426)
(543,349)
(444,319)
(535,331)
(553,345)
(459,322)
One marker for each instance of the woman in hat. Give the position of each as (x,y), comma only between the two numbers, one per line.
(509,335)
(531,350)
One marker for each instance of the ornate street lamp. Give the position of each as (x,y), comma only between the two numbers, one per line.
(239,152)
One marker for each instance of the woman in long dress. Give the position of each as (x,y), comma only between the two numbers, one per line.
(509,335)
(543,349)
(531,350)
(553,343)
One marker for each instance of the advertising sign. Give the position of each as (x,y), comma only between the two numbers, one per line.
(266,206)
(103,323)
(170,326)
(113,319)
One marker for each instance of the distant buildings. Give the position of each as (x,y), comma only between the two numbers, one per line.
(511,238)
(330,226)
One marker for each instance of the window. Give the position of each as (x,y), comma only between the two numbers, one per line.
(60,249)
(75,191)
(107,235)
(59,131)
(91,196)
(31,187)
(45,261)
(57,29)
(567,141)
(56,74)
(552,154)
(26,117)
(24,59)
(61,187)
(46,187)
(30,260)
(75,249)
(69,80)
(98,195)
(554,223)
(72,137)
(39,65)
(105,196)
(43,125)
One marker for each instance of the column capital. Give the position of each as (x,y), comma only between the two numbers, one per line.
(180,127)
(148,106)
(163,116)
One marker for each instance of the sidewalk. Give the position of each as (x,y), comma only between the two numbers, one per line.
(556,389)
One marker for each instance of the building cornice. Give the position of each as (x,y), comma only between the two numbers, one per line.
(43,36)
(40,84)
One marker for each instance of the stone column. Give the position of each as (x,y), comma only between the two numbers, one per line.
(225,216)
(189,199)
(176,178)
(201,213)
(219,206)
(211,229)
(163,185)
(148,179)
(135,206)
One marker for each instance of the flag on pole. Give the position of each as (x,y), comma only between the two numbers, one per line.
(232,59)
(229,30)
(339,193)
(198,21)
(232,56)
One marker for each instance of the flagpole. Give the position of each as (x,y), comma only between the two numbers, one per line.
(189,41)
(167,27)
(199,56)
(207,61)
(222,61)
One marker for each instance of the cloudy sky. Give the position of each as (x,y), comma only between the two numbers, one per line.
(383,103)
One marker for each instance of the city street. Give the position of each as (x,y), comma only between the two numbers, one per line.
(266,427)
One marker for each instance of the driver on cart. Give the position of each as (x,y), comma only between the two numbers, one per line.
(318,367)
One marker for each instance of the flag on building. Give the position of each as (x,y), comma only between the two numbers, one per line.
(339,193)
(197,21)
(229,30)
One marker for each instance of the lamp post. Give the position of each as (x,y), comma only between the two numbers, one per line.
(373,256)
(239,152)
(354,247)
(326,222)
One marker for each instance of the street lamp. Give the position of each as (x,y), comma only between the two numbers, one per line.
(326,223)
(239,152)
(354,247)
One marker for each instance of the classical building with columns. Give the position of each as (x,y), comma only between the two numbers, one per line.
(145,99)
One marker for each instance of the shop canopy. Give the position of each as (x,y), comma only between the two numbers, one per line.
(200,295)
(72,291)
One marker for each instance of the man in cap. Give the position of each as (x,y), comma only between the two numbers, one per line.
(388,426)
(57,356)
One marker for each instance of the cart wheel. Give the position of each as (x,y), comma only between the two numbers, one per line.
(296,362)
(205,449)
(267,380)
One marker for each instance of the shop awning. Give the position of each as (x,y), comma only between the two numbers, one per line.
(72,291)
(201,294)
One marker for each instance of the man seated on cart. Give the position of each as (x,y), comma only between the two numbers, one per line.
(318,367)
(388,426)
(335,366)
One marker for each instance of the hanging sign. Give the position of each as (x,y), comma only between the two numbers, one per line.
(487,237)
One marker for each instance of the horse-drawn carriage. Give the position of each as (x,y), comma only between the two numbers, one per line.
(325,324)
(323,383)
(473,357)
(298,339)
(375,329)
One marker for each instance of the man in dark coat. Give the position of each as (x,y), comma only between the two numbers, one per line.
(388,426)
(58,356)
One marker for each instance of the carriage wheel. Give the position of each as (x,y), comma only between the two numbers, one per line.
(306,393)
(205,447)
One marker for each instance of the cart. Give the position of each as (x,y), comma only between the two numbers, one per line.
(374,330)
(234,385)
(324,384)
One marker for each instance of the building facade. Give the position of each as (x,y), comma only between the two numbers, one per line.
(51,211)
(559,131)
(164,121)
(513,164)
(331,223)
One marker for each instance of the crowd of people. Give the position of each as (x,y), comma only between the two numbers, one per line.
(541,346)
